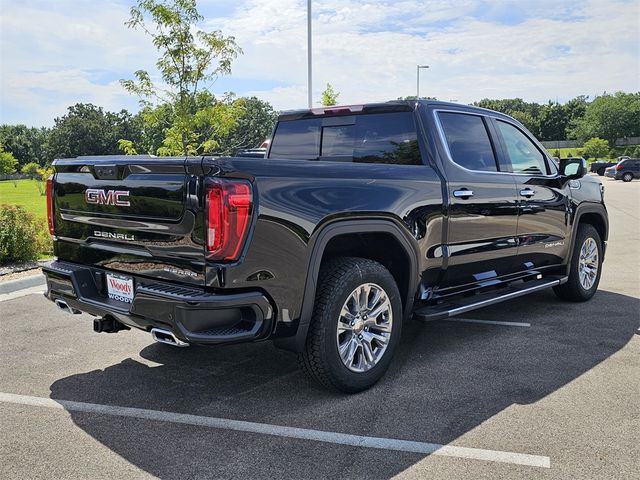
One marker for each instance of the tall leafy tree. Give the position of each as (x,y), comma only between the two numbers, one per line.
(254,124)
(27,144)
(89,130)
(190,59)
(610,117)
(553,121)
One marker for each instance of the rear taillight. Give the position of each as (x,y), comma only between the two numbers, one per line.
(50,204)
(228,212)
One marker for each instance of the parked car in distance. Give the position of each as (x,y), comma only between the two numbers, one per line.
(599,167)
(627,169)
(610,172)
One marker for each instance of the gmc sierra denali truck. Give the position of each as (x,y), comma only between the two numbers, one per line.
(357,219)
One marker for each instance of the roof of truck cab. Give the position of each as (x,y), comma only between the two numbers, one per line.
(381,107)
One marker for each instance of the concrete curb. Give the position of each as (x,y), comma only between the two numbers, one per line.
(20,283)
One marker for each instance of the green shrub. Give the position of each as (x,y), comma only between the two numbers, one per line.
(23,237)
(30,169)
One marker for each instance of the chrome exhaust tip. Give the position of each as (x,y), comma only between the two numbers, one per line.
(64,306)
(165,336)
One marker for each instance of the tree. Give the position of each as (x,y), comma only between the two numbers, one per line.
(7,162)
(526,113)
(89,130)
(26,143)
(413,97)
(329,96)
(255,122)
(30,169)
(609,117)
(189,59)
(553,122)
(527,120)
(596,148)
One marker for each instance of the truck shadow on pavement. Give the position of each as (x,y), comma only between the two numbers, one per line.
(447,378)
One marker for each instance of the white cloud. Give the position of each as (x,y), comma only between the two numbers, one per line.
(54,54)
(544,57)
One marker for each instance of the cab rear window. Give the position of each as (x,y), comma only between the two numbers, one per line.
(372,138)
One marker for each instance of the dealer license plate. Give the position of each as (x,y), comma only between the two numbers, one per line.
(120,288)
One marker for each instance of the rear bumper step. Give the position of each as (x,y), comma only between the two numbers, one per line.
(460,305)
(187,314)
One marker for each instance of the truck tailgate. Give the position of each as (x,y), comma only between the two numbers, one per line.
(129,214)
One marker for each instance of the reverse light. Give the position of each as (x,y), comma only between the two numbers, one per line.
(50,204)
(228,212)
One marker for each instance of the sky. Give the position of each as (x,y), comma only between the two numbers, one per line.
(57,53)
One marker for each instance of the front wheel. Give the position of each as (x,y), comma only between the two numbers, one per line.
(355,327)
(627,177)
(585,267)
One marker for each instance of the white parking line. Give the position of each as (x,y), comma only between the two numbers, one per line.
(488,322)
(21,293)
(282,431)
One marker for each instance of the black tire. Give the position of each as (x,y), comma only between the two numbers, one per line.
(320,358)
(573,290)
(600,172)
(627,177)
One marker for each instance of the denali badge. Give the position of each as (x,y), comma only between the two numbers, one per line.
(97,196)
(117,236)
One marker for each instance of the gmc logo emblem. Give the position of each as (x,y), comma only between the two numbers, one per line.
(97,196)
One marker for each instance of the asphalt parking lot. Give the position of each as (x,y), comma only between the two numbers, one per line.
(551,394)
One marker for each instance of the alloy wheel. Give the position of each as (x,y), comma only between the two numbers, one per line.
(364,327)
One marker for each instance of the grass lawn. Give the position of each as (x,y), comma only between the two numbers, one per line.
(25,194)
(564,152)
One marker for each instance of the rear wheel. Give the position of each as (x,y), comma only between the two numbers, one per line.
(356,325)
(585,267)
(627,177)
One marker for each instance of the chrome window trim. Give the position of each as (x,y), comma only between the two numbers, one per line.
(443,139)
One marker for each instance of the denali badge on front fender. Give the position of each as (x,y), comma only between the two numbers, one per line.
(97,196)
(117,236)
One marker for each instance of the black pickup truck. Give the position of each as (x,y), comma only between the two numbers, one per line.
(358,219)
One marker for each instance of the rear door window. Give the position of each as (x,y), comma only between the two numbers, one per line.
(468,141)
(372,138)
(386,138)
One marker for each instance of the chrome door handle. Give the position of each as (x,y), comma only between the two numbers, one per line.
(463,193)
(527,192)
